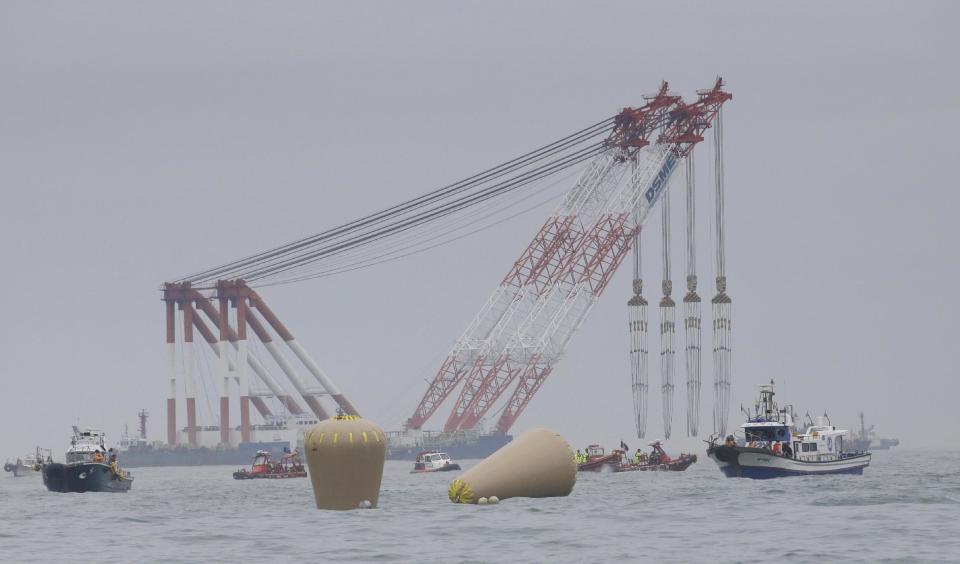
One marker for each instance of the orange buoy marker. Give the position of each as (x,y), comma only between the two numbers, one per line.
(345,457)
(538,463)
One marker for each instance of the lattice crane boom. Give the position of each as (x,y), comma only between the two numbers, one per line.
(681,135)
(630,136)
(531,269)
(558,313)
(523,329)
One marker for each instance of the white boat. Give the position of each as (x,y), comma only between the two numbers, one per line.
(28,465)
(773,447)
(433,461)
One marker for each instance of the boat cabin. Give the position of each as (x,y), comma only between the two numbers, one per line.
(594,451)
(819,443)
(87,445)
(261,463)
(769,423)
(766,432)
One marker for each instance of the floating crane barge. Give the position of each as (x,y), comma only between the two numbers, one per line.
(513,344)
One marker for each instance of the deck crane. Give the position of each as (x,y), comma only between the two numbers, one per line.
(524,328)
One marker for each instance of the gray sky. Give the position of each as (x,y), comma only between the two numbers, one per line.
(142,141)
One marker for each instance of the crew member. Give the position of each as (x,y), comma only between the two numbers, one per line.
(787,451)
(113,467)
(97,456)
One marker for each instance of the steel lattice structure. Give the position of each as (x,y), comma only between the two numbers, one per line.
(522,331)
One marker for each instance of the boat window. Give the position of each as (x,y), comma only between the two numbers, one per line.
(813,447)
(78,457)
(766,434)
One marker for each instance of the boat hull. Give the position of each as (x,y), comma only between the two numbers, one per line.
(677,465)
(745,462)
(241,475)
(20,470)
(600,464)
(80,478)
(446,468)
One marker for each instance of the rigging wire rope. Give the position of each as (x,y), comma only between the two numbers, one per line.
(416,240)
(339,246)
(411,205)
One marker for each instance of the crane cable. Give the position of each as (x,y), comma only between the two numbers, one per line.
(411,205)
(391,255)
(404,224)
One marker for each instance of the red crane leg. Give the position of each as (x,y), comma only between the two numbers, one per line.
(447,378)
(533,378)
(245,419)
(473,388)
(536,264)
(192,422)
(542,260)
(494,386)
(471,384)
(596,259)
(604,249)
(261,406)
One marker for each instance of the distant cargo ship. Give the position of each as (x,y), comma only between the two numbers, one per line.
(459,446)
(276,436)
(285,434)
(865,440)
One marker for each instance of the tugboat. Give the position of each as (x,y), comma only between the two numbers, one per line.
(89,467)
(773,447)
(289,466)
(433,461)
(658,460)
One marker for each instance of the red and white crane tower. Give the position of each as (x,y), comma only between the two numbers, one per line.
(523,329)
(521,332)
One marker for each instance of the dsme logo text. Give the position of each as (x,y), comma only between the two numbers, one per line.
(660,182)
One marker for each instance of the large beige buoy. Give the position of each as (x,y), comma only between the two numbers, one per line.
(538,463)
(345,460)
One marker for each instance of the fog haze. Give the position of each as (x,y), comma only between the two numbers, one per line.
(141,141)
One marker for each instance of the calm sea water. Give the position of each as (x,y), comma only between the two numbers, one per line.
(906,507)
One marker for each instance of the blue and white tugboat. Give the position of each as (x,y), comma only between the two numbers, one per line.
(89,467)
(772,446)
